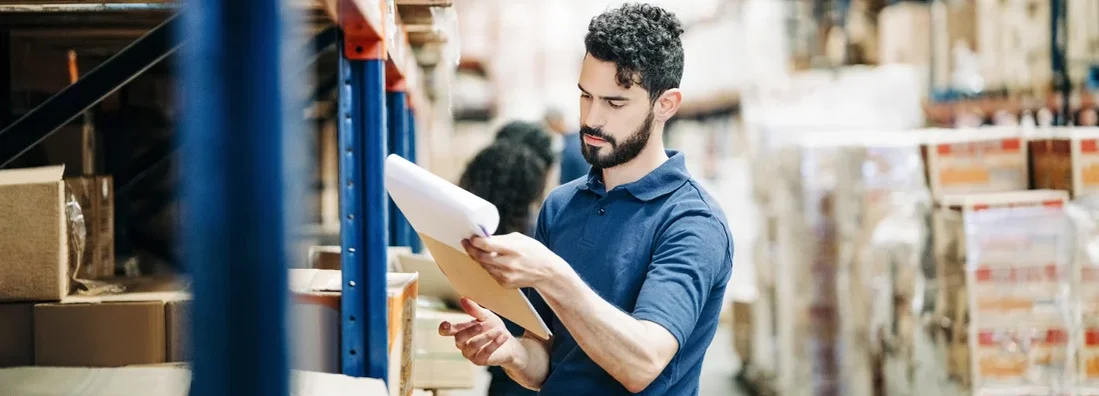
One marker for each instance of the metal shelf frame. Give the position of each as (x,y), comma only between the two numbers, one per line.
(237,137)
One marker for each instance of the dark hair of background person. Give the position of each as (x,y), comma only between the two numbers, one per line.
(643,42)
(510,175)
(531,134)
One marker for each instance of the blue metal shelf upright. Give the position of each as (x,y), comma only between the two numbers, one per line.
(238,132)
(364,211)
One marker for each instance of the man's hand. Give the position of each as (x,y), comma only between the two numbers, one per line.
(485,340)
(514,260)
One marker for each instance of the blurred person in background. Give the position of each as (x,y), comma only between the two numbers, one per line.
(532,135)
(573,165)
(628,266)
(511,175)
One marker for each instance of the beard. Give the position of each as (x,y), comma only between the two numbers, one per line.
(619,154)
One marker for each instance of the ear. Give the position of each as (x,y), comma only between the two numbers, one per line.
(667,104)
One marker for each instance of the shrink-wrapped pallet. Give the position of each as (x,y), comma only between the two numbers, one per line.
(1083,215)
(1019,299)
(831,192)
(953,292)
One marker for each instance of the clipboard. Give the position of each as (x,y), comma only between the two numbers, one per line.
(443,215)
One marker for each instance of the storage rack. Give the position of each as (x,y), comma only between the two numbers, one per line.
(238,122)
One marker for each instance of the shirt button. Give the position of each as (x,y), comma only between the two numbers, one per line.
(601,211)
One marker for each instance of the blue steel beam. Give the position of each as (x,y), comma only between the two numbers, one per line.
(362,137)
(397,107)
(413,238)
(72,101)
(237,124)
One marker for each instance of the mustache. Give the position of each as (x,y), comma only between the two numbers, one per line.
(596,133)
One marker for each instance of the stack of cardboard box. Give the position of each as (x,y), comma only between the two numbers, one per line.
(434,361)
(56,236)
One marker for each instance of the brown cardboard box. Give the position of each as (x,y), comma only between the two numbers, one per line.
(316,305)
(328,257)
(33,235)
(16,335)
(1067,159)
(439,365)
(95,195)
(160,381)
(981,160)
(140,327)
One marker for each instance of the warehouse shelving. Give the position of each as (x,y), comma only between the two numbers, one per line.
(234,127)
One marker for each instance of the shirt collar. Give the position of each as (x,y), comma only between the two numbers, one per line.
(661,181)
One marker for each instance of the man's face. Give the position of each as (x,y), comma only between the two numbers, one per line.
(615,122)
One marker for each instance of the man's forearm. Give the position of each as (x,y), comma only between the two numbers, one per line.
(531,366)
(614,340)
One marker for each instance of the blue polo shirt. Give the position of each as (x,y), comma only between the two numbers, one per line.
(659,249)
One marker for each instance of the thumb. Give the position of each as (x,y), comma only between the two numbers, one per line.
(474,310)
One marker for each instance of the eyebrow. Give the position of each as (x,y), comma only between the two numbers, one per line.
(615,98)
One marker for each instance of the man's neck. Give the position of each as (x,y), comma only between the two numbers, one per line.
(650,158)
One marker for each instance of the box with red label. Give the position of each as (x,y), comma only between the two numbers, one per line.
(1088,355)
(1067,159)
(979,160)
(1011,358)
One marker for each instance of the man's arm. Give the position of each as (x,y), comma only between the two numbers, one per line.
(531,365)
(632,351)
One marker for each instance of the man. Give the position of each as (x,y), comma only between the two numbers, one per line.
(573,165)
(629,265)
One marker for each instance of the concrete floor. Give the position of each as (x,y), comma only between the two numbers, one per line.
(718,371)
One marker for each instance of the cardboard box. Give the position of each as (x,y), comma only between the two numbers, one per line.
(328,257)
(38,234)
(33,235)
(1001,369)
(16,334)
(961,292)
(160,381)
(316,305)
(432,281)
(1067,159)
(981,160)
(139,327)
(439,364)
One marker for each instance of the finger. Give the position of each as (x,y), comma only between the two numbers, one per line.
(491,245)
(477,341)
(447,329)
(463,337)
(490,348)
(474,310)
(479,255)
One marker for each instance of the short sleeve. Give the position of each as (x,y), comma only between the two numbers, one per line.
(690,257)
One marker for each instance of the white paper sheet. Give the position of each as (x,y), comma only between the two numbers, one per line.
(436,208)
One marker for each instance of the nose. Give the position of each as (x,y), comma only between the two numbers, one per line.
(595,117)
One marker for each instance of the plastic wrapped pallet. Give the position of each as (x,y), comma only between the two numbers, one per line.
(1084,334)
(832,191)
(957,296)
(1020,304)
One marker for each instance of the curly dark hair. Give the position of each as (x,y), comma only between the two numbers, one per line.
(510,175)
(643,42)
(530,134)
